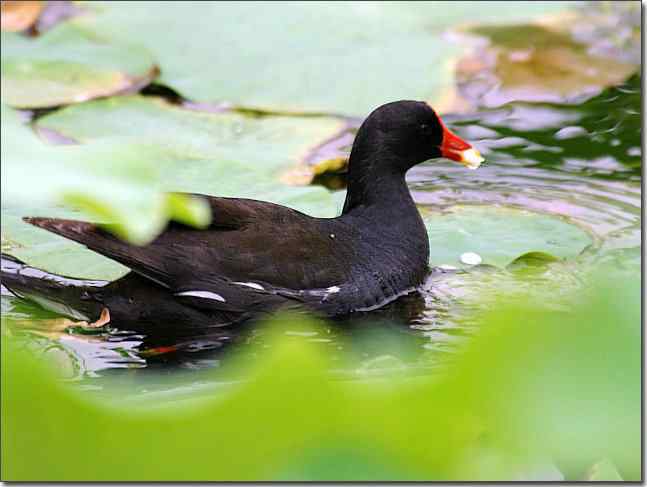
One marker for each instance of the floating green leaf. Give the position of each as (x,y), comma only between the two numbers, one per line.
(114,181)
(531,261)
(50,252)
(303,57)
(536,63)
(478,229)
(504,402)
(226,153)
(67,66)
(135,148)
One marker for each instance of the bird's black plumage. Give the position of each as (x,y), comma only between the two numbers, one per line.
(257,256)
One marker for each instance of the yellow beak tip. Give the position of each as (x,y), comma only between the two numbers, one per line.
(471,158)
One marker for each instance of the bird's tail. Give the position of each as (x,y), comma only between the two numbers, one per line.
(63,295)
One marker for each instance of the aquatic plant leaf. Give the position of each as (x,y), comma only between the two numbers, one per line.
(111,181)
(270,142)
(66,66)
(223,153)
(132,149)
(604,470)
(503,403)
(191,211)
(576,361)
(532,260)
(299,57)
(535,63)
(50,252)
(478,229)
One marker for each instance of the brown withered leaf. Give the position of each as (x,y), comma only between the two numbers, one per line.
(19,15)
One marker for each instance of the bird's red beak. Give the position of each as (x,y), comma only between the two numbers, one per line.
(456,149)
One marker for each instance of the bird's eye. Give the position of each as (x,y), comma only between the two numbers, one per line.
(424,126)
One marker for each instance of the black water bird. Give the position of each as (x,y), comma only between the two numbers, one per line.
(258,256)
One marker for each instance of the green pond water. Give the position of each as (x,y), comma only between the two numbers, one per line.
(558,197)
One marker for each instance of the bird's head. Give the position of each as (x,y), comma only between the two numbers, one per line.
(404,133)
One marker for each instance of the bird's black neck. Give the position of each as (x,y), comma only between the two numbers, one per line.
(381,201)
(370,185)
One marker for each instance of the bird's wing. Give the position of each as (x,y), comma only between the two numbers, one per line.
(250,248)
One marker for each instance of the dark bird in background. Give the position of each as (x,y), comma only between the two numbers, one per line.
(258,256)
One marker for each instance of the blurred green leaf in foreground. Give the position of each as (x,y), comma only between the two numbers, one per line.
(537,393)
(135,151)
(109,182)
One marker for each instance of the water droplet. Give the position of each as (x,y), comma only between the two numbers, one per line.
(471,258)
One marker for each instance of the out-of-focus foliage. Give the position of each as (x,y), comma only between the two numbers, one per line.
(534,393)
(134,148)
(113,180)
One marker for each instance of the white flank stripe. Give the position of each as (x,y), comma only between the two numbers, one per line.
(203,294)
(253,285)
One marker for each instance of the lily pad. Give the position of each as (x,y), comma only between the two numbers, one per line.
(113,180)
(477,229)
(535,63)
(264,141)
(299,57)
(531,260)
(56,254)
(67,66)
(226,153)
(132,150)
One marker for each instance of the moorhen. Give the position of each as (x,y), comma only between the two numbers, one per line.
(258,256)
